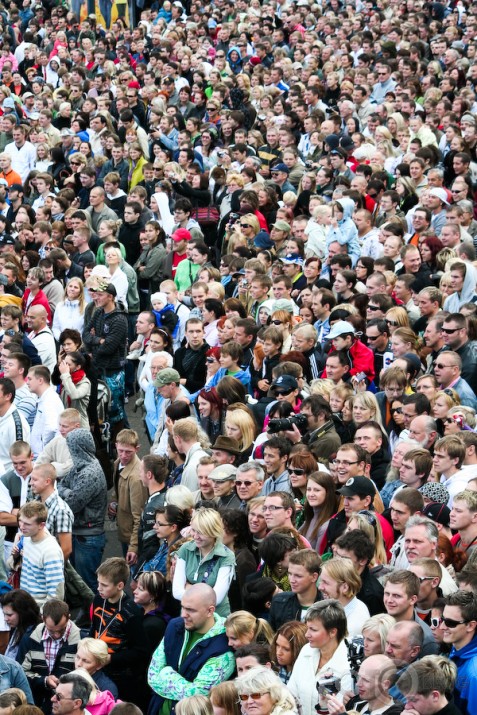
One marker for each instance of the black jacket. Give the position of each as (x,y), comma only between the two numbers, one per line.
(371,593)
(286,607)
(129,236)
(109,357)
(468,355)
(379,466)
(191,365)
(360,705)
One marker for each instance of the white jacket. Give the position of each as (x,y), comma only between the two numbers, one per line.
(67,315)
(8,436)
(305,673)
(45,425)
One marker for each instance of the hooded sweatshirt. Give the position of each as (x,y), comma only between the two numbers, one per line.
(456,300)
(236,66)
(465,690)
(84,487)
(346,232)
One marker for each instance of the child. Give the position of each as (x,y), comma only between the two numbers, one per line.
(231,357)
(262,369)
(165,313)
(338,398)
(117,621)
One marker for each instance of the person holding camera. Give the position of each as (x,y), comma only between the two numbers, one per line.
(376,675)
(321,437)
(322,668)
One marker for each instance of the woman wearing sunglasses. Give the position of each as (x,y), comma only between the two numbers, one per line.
(300,466)
(261,692)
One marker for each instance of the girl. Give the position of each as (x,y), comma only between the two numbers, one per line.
(286,645)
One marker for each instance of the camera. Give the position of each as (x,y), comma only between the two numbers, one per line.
(355,655)
(281,424)
(328,685)
(308,164)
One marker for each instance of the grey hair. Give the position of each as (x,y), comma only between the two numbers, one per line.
(81,689)
(261,680)
(465,205)
(252,465)
(432,531)
(429,423)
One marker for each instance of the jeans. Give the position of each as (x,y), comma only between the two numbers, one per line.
(87,556)
(105,7)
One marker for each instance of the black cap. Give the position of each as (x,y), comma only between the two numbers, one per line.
(358,486)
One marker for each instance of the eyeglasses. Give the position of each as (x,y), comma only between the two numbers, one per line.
(449,331)
(374,337)
(210,360)
(450,623)
(296,470)
(60,697)
(394,323)
(343,463)
(374,307)
(425,578)
(159,523)
(246,483)
(272,507)
(255,696)
(441,366)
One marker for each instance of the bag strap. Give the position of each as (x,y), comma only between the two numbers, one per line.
(18,426)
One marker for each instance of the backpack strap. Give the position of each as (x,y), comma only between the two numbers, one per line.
(18,425)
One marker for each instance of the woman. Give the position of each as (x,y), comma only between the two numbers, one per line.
(194,705)
(375,631)
(241,628)
(169,522)
(207,147)
(136,165)
(75,389)
(22,615)
(70,312)
(429,247)
(261,692)
(344,285)
(396,425)
(326,651)
(441,404)
(226,329)
(150,595)
(403,341)
(364,268)
(240,425)
(108,233)
(320,505)
(366,521)
(300,466)
(283,320)
(150,264)
(118,278)
(224,699)
(92,655)
(406,189)
(33,294)
(211,312)
(286,646)
(365,408)
(205,559)
(237,538)
(397,318)
(210,408)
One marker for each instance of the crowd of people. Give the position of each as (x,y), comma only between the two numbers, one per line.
(253,225)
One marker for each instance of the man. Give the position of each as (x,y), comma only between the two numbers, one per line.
(245,333)
(105,337)
(413,406)
(449,455)
(64,267)
(433,339)
(376,675)
(22,152)
(176,669)
(404,644)
(41,335)
(321,436)
(279,233)
(42,571)
(420,541)
(275,456)
(304,568)
(293,268)
(186,439)
(84,490)
(153,473)
(168,387)
(48,410)
(189,361)
(415,468)
(81,239)
(305,340)
(460,624)
(425,686)
(369,436)
(60,518)
(56,452)
(404,292)
(279,510)
(404,503)
(16,492)
(412,265)
(463,520)
(360,550)
(423,429)
(401,589)
(249,482)
(225,450)
(456,338)
(448,371)
(223,480)
(97,210)
(377,336)
(52,287)
(384,84)
(337,367)
(129,232)
(16,367)
(429,574)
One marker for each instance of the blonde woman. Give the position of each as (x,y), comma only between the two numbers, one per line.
(275,698)
(403,340)
(240,425)
(118,278)
(241,628)
(70,312)
(194,705)
(283,320)
(365,408)
(108,233)
(375,631)
(92,655)
(205,559)
(397,318)
(443,402)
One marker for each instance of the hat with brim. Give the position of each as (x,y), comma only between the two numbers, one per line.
(167,377)
(223,473)
(341,327)
(227,444)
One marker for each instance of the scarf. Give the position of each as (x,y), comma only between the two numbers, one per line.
(76,377)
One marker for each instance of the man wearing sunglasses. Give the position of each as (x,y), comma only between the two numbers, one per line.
(456,338)
(448,372)
(459,629)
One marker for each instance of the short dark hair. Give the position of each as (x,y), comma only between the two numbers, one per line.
(358,542)
(318,406)
(158,466)
(282,445)
(8,387)
(81,689)
(56,610)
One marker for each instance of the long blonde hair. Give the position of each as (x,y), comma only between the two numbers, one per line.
(81,301)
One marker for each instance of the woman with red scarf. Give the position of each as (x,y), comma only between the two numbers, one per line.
(75,388)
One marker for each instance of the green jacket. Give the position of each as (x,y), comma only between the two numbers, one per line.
(190,568)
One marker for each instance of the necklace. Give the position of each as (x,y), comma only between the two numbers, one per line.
(105,628)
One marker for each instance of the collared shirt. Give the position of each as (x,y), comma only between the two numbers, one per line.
(51,646)
(60,517)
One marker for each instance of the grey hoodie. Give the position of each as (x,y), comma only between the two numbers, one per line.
(453,303)
(84,487)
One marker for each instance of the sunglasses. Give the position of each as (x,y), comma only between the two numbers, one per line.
(450,623)
(282,393)
(254,696)
(394,323)
(210,360)
(296,470)
(449,331)
(397,410)
(239,483)
(436,622)
(374,307)
(276,322)
(245,225)
(441,366)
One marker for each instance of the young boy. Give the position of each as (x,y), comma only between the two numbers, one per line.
(131,495)
(259,291)
(117,621)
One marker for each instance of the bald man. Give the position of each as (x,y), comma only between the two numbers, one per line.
(199,637)
(376,675)
(41,335)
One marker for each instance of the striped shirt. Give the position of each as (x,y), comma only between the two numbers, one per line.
(42,573)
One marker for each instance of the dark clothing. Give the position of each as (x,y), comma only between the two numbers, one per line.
(109,356)
(379,466)
(245,565)
(323,442)
(371,593)
(315,362)
(148,543)
(360,705)
(122,169)
(81,259)
(191,365)
(129,236)
(74,271)
(286,607)
(468,355)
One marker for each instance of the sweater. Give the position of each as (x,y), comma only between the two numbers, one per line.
(42,573)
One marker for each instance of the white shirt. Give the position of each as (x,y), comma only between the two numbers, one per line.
(45,344)
(45,425)
(8,436)
(356,613)
(455,484)
(23,159)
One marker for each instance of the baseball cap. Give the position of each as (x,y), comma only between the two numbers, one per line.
(280,167)
(8,103)
(15,187)
(342,327)
(292,258)
(358,486)
(181,234)
(223,473)
(338,151)
(3,182)
(7,241)
(166,377)
(439,513)
(347,143)
(282,225)
(27,94)
(284,304)
(440,194)
(227,444)
(285,382)
(67,132)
